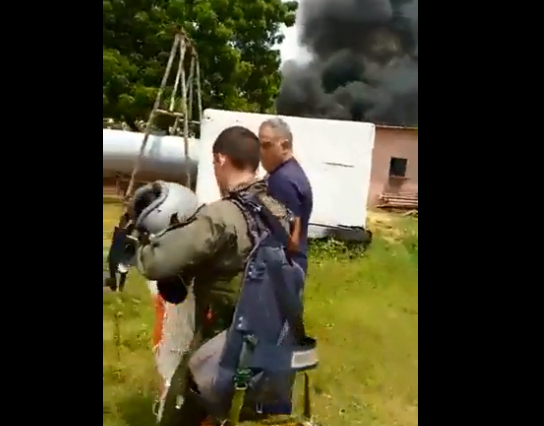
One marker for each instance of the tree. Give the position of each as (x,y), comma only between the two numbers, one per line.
(235,40)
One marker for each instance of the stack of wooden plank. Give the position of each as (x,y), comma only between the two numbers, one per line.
(399,201)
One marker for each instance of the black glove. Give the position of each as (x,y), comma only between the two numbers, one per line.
(173,290)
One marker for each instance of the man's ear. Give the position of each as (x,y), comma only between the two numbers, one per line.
(220,159)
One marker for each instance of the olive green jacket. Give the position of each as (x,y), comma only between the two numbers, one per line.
(211,252)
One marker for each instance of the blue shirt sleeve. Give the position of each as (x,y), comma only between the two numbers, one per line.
(285,191)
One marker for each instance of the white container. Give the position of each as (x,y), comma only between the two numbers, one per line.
(336,156)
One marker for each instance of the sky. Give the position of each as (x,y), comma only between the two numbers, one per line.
(289,48)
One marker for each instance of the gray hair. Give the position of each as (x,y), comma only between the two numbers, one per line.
(281,127)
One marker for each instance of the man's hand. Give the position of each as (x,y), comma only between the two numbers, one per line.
(294,238)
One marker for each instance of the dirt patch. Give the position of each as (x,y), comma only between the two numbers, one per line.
(390,226)
(380,218)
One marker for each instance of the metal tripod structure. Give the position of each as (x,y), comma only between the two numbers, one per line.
(190,86)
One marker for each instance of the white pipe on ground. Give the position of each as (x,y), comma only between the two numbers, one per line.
(163,156)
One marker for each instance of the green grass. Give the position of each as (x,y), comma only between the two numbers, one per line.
(363,308)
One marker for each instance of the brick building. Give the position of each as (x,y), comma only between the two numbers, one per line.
(394,162)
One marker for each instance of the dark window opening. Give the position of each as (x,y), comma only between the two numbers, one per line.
(397,167)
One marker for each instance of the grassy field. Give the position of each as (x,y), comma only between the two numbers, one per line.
(362,308)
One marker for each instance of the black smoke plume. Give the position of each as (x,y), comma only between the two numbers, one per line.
(364,64)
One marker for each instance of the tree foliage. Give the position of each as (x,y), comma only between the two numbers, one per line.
(236,41)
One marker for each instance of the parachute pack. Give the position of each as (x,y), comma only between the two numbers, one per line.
(254,362)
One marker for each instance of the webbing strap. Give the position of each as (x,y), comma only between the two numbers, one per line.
(259,218)
(307,409)
(236,405)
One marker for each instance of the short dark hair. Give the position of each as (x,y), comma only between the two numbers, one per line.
(241,146)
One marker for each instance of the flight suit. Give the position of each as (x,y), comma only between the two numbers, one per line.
(210,251)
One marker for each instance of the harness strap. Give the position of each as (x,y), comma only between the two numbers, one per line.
(259,218)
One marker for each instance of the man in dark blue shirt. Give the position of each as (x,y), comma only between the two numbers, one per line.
(287,183)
